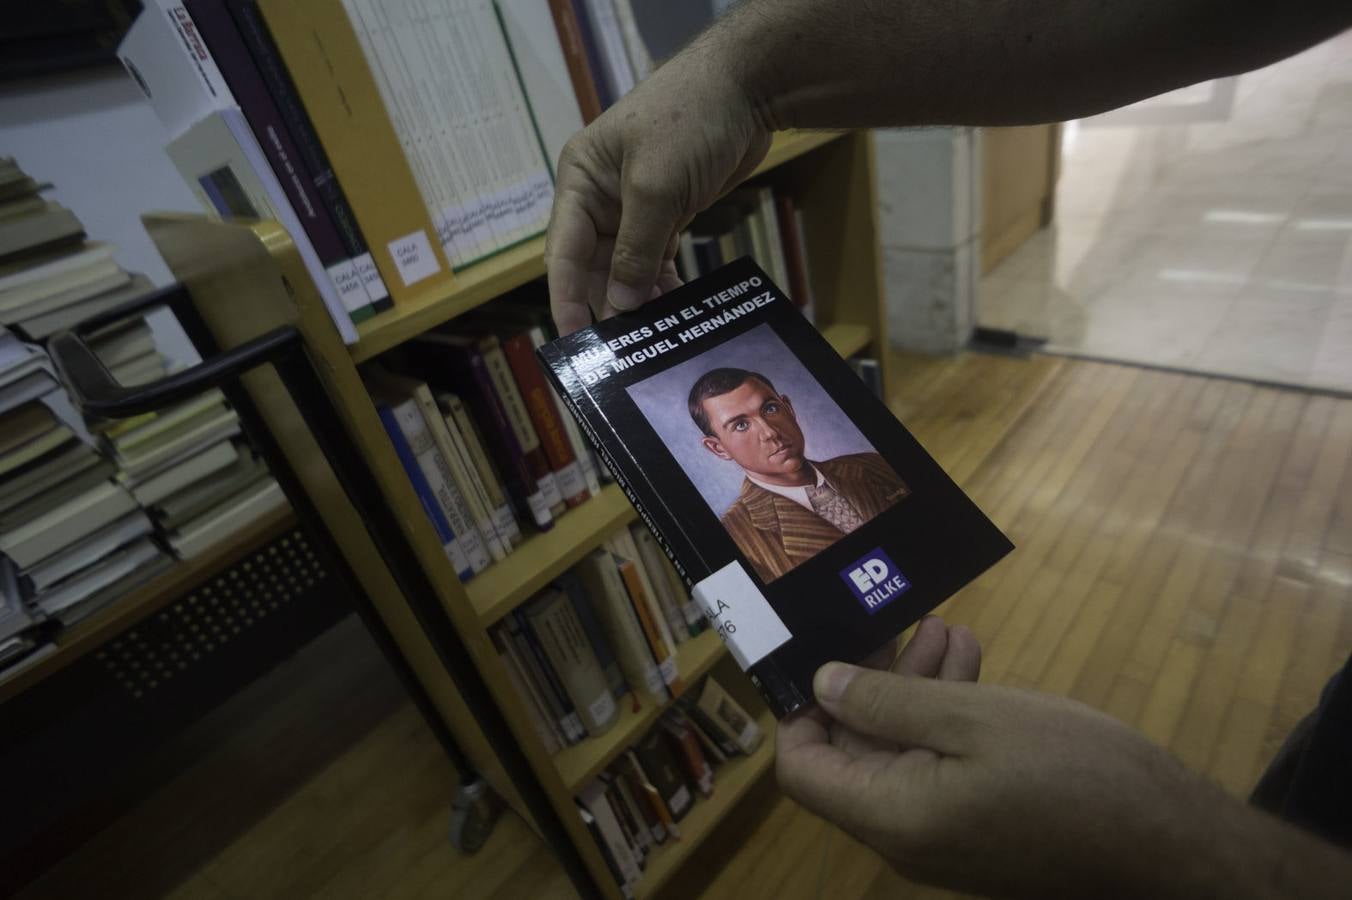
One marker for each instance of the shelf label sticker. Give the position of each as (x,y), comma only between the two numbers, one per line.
(413,257)
(745,620)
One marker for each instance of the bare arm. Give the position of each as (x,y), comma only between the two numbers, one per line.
(635,177)
(857,63)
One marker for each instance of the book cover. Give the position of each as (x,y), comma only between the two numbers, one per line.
(810,522)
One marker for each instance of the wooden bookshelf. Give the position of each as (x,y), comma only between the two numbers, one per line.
(150,597)
(582,762)
(248,279)
(732,780)
(510,269)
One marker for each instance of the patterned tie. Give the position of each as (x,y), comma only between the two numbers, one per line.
(832,507)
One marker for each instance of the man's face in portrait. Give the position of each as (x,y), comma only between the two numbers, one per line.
(756,428)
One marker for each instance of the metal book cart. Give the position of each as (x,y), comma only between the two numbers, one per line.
(137,673)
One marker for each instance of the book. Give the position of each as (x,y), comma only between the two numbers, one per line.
(88,551)
(65,524)
(465,434)
(325,62)
(536,664)
(622,544)
(654,754)
(795,252)
(650,805)
(195,499)
(686,747)
(432,505)
(228,48)
(78,587)
(202,464)
(652,556)
(539,402)
(536,48)
(198,535)
(591,46)
(53,225)
(727,716)
(593,800)
(487,187)
(45,324)
(811,524)
(615,68)
(536,711)
(636,837)
(601,579)
(710,730)
(575,56)
(90,271)
(572,586)
(454,362)
(663,651)
(409,399)
(555,625)
(582,451)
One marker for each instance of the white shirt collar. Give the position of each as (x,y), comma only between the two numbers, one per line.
(797,493)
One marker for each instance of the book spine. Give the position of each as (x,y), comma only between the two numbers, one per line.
(687,749)
(581,450)
(534,390)
(652,558)
(690,611)
(535,712)
(635,49)
(605,587)
(665,774)
(232,56)
(662,651)
(575,55)
(711,727)
(628,826)
(438,475)
(537,666)
(769,218)
(631,775)
(610,42)
(424,492)
(254,32)
(594,799)
(321,52)
(466,491)
(459,421)
(518,418)
(556,627)
(181,20)
(604,847)
(625,546)
(596,635)
(636,811)
(591,44)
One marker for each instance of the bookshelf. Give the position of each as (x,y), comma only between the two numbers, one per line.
(246,278)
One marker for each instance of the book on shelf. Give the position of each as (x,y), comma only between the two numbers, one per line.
(237,37)
(811,524)
(467,438)
(650,619)
(600,576)
(536,46)
(48,227)
(645,795)
(325,62)
(583,606)
(539,403)
(686,748)
(615,69)
(727,717)
(476,371)
(631,816)
(554,621)
(198,535)
(601,821)
(535,663)
(534,705)
(662,589)
(574,51)
(653,754)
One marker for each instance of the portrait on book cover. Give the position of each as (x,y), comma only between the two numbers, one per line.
(779,462)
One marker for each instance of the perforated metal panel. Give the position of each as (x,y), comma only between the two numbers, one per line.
(200,623)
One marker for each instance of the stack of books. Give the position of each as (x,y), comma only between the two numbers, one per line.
(480,432)
(188,467)
(50,276)
(72,538)
(638,803)
(604,635)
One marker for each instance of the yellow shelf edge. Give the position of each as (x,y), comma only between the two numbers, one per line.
(511,268)
(732,780)
(508,583)
(579,764)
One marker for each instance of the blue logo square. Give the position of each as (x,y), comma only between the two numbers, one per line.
(875,580)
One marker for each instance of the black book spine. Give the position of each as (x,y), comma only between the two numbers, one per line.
(271,68)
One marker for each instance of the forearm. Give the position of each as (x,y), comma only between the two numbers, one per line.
(859,63)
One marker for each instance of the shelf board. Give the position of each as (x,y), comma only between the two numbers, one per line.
(731,782)
(79,639)
(482,281)
(847,339)
(580,763)
(542,557)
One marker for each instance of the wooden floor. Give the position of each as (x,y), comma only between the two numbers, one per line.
(1184,561)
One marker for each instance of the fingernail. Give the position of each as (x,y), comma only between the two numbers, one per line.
(831,680)
(624,297)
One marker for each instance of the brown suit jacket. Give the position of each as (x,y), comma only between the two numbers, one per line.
(776,534)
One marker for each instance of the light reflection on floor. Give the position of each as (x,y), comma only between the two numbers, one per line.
(1209,229)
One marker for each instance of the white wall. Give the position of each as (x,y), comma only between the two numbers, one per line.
(93,136)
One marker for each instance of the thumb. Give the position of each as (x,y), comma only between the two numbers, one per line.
(646,227)
(943,716)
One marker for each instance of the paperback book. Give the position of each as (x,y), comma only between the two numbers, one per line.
(809,523)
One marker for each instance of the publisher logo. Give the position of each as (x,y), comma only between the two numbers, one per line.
(875,580)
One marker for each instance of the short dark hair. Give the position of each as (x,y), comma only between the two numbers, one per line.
(715,383)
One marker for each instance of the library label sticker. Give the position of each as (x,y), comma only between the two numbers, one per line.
(745,620)
(413,257)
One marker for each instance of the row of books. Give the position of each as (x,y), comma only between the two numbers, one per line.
(637,804)
(762,222)
(90,510)
(603,635)
(481,434)
(393,140)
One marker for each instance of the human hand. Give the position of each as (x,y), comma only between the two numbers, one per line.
(633,179)
(992,789)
